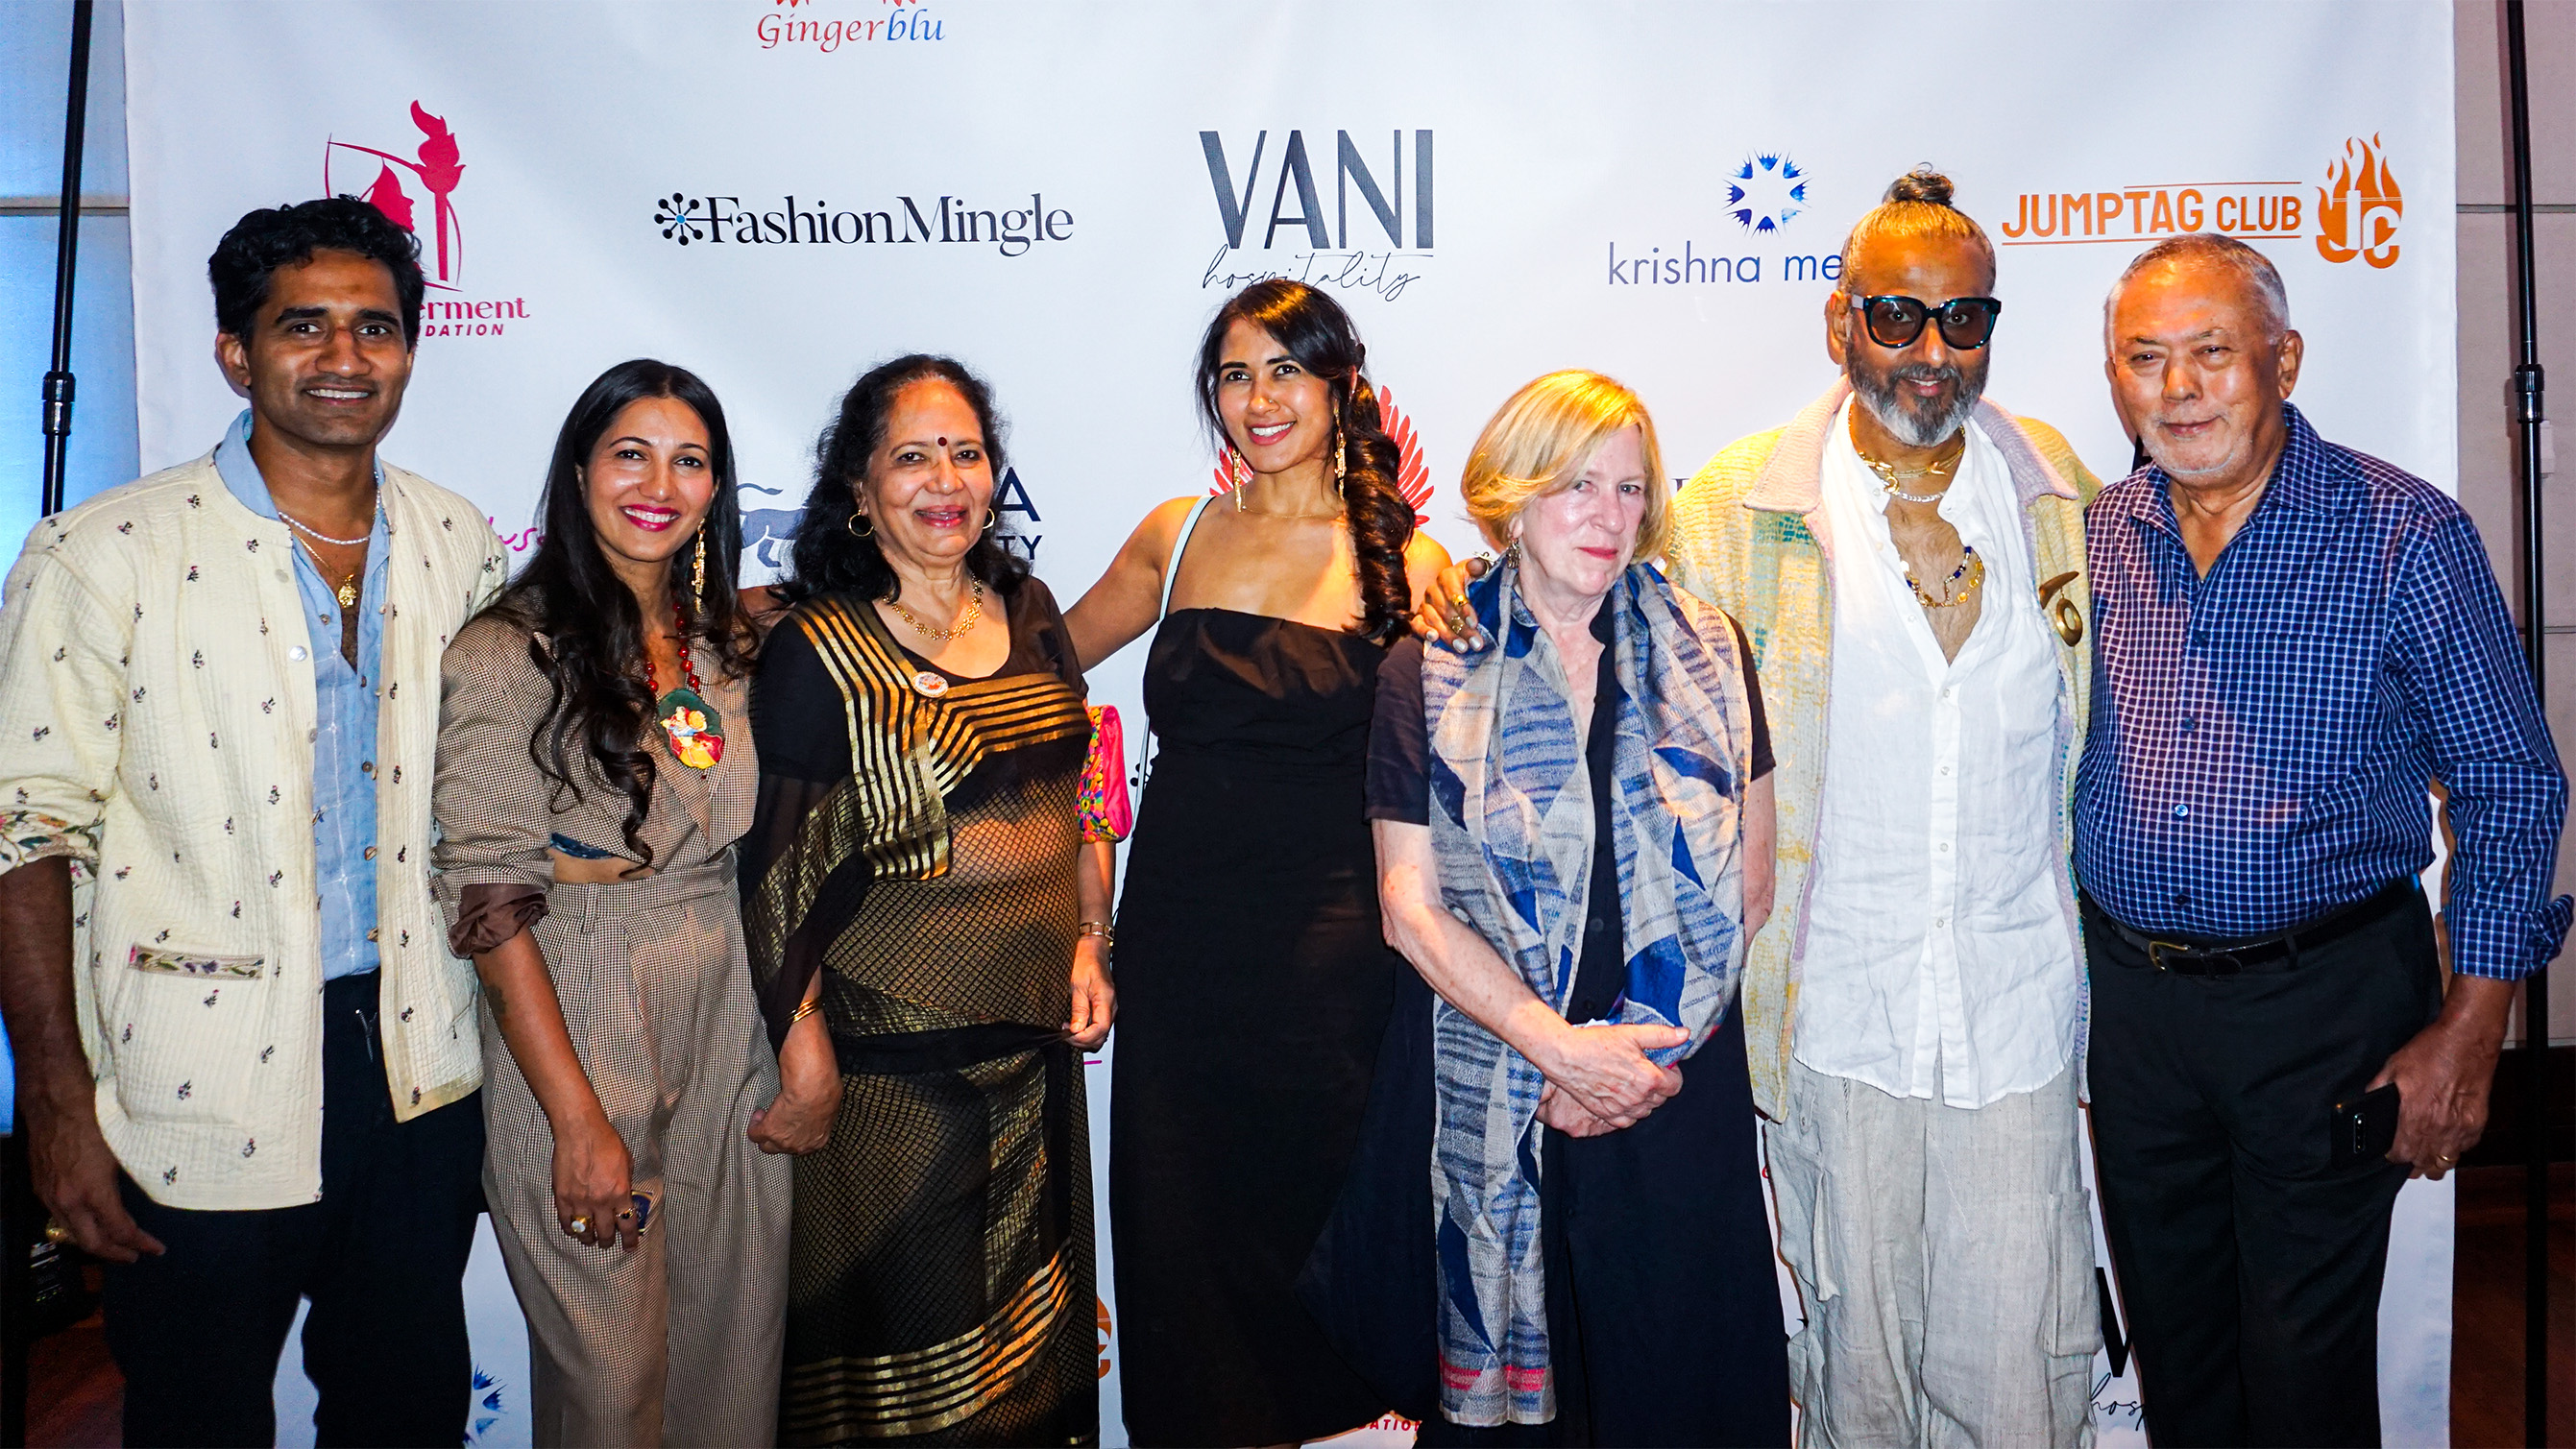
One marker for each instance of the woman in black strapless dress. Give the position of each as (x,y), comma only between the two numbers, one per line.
(1253,977)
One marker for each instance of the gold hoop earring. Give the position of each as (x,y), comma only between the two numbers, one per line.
(853,527)
(989,516)
(698,569)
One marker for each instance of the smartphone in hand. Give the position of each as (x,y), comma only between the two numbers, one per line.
(2365,1127)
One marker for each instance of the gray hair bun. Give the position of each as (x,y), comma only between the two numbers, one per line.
(1921,184)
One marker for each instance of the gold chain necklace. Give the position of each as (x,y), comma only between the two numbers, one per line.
(347,593)
(967,618)
(1893,477)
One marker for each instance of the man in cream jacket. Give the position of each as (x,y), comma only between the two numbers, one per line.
(247,1063)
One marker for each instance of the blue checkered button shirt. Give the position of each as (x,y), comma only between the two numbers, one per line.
(2263,736)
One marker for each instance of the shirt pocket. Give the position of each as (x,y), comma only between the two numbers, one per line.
(185,1032)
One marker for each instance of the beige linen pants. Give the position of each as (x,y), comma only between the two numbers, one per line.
(680,1341)
(1945,1257)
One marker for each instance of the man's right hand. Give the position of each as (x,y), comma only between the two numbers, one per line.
(76,1177)
(75,1172)
(1442,616)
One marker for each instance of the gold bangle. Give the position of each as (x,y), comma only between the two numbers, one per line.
(804,1009)
(1101,929)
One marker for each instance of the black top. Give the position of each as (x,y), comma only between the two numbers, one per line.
(1399,766)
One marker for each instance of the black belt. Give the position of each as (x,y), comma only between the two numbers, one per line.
(2262,953)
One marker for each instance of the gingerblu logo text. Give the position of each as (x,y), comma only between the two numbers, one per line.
(797,32)
(722,220)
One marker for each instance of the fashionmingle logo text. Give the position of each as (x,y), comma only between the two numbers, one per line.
(720,220)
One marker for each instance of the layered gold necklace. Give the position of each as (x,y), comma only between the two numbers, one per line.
(967,618)
(1894,478)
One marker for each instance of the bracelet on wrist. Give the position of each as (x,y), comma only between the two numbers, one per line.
(804,1009)
(1101,929)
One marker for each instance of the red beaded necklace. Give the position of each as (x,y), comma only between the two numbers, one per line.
(695,730)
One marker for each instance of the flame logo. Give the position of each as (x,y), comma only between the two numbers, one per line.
(1102,1310)
(436,167)
(1412,477)
(2359,206)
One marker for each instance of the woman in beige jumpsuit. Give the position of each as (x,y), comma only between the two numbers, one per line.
(595,767)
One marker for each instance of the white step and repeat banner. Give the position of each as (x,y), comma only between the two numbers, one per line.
(778,193)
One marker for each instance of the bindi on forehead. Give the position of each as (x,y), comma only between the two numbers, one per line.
(943,442)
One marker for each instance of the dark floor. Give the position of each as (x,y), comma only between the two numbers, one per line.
(77,1394)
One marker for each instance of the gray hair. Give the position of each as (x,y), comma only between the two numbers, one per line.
(2227,254)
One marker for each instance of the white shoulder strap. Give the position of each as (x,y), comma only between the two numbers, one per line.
(1180,545)
(1171,571)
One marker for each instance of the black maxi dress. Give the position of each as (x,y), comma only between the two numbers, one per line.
(1663,1306)
(1253,988)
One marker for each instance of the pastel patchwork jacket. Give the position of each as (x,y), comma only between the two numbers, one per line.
(157,712)
(1749,535)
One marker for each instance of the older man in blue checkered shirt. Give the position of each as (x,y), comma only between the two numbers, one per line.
(2294,641)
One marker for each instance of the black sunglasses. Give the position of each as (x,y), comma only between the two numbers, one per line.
(1893,322)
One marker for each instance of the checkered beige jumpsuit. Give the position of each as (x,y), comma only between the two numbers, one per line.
(680,1341)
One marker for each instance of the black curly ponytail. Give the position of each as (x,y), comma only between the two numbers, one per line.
(1318,333)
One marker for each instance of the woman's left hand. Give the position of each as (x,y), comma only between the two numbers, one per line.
(1095,1001)
(799,1119)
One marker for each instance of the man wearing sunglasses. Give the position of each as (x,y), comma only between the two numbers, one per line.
(1907,559)
(2296,641)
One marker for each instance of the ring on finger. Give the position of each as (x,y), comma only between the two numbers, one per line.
(578,1227)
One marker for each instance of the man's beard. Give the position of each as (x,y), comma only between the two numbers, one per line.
(1925,423)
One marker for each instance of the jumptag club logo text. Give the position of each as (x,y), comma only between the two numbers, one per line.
(418,193)
(2355,210)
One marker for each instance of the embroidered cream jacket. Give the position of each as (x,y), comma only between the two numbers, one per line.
(156,727)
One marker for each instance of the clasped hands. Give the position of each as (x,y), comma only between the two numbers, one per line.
(1599,1079)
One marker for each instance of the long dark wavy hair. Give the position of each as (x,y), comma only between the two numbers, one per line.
(1318,333)
(826,558)
(587,635)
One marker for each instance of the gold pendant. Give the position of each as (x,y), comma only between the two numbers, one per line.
(348,592)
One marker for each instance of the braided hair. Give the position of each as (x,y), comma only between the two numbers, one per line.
(1318,333)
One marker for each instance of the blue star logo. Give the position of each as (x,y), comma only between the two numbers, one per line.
(1765,192)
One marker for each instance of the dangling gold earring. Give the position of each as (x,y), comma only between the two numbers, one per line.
(698,569)
(1341,461)
(853,527)
(1238,473)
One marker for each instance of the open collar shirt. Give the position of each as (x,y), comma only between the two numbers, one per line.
(2267,731)
(1939,959)
(344,739)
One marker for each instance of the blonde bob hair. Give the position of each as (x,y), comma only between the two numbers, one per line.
(1543,438)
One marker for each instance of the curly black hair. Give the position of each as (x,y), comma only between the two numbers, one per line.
(285,236)
(826,557)
(1319,334)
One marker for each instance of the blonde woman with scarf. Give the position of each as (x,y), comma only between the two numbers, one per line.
(1573,835)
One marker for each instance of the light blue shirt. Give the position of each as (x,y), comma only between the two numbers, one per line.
(344,739)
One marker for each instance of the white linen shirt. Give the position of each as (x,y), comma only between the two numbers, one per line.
(158,710)
(1939,962)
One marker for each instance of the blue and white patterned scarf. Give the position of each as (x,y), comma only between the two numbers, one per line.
(1512,822)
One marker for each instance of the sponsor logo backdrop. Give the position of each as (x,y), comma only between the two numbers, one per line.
(777,193)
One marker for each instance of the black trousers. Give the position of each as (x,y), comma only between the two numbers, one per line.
(198,1331)
(2250,1268)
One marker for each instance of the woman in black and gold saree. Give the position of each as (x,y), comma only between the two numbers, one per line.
(921,876)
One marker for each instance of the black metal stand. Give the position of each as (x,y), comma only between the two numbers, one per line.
(21,1217)
(2529,385)
(58,379)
